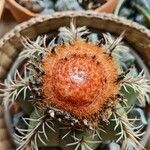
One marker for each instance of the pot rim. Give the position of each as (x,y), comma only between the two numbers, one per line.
(73,14)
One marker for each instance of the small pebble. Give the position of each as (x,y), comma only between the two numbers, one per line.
(49,3)
(28,5)
(139,18)
(114,146)
(18,121)
(22,2)
(93,37)
(125,12)
(48,6)
(91,4)
(64,5)
(127,58)
(47,11)
(37,8)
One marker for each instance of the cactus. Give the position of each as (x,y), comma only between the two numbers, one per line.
(76,92)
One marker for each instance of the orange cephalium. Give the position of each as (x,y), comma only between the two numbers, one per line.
(79,78)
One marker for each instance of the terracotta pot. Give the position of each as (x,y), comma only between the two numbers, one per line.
(22,14)
(2,3)
(10,46)
(108,7)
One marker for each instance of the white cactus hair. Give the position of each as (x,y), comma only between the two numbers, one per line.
(12,88)
(29,137)
(129,134)
(112,43)
(71,34)
(140,84)
(38,46)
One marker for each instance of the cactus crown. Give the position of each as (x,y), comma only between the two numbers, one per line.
(77,83)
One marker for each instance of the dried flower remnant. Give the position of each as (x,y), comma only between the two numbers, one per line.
(77,83)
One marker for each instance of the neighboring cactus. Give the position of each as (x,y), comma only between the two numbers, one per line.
(75,92)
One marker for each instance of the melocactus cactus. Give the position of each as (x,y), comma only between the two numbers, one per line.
(77,85)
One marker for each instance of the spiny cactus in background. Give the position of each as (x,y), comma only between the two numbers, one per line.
(75,92)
